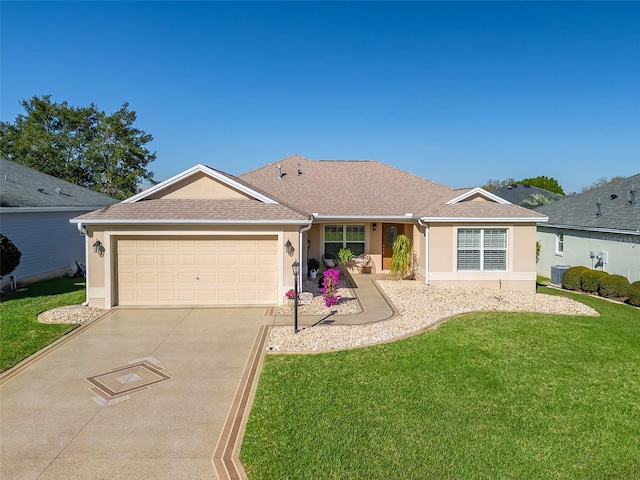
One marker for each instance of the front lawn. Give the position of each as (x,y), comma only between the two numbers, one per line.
(485,395)
(20,332)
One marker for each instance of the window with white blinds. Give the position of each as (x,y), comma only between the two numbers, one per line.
(482,249)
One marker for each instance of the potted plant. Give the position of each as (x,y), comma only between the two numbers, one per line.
(314,265)
(291,297)
(345,255)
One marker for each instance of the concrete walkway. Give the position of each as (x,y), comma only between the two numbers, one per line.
(373,303)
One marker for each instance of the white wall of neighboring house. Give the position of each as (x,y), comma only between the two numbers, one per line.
(49,244)
(622,251)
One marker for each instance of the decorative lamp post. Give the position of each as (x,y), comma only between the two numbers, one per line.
(296,271)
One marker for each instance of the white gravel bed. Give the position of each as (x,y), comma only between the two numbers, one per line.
(347,304)
(71,314)
(419,306)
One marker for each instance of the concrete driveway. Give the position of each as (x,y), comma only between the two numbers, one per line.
(138,394)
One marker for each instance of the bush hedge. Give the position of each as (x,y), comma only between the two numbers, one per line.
(634,293)
(571,277)
(614,286)
(590,280)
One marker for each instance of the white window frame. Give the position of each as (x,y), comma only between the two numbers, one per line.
(560,244)
(482,249)
(344,236)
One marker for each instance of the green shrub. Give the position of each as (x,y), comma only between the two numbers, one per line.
(571,277)
(614,286)
(590,280)
(9,256)
(634,293)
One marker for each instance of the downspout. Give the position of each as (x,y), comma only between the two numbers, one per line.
(83,230)
(302,230)
(426,250)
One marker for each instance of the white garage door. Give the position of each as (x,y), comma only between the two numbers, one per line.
(197,270)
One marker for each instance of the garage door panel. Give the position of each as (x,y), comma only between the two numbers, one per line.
(167,277)
(186,260)
(211,270)
(267,278)
(149,277)
(166,259)
(207,259)
(228,260)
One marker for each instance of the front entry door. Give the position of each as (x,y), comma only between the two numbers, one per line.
(390,232)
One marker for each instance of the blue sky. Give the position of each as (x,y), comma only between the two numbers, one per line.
(452,91)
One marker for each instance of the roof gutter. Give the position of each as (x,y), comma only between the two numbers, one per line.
(485,219)
(92,221)
(364,218)
(302,230)
(585,228)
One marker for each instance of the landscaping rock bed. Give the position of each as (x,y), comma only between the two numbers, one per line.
(71,314)
(347,305)
(419,307)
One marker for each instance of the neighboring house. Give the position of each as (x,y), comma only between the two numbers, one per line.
(207,237)
(526,195)
(35,209)
(599,229)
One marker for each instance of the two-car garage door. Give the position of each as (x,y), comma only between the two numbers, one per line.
(222,270)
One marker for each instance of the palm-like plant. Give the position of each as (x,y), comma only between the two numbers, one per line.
(537,199)
(401,258)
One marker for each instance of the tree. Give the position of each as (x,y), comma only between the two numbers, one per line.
(537,199)
(9,256)
(492,185)
(546,183)
(82,145)
(601,183)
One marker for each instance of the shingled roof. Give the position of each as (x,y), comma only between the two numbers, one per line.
(619,208)
(520,194)
(345,187)
(24,187)
(186,210)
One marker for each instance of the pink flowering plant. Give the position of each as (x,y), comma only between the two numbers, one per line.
(291,293)
(330,287)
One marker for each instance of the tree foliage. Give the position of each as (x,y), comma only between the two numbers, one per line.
(546,183)
(602,182)
(82,145)
(492,184)
(9,256)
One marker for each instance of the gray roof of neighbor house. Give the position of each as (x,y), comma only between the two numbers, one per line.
(22,186)
(520,194)
(618,210)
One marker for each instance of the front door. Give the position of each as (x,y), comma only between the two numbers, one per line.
(390,232)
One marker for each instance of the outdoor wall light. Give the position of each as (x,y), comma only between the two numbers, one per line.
(375,225)
(289,248)
(98,248)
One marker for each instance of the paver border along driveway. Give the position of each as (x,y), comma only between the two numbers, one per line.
(138,394)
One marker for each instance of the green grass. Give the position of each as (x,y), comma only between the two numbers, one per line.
(485,395)
(20,332)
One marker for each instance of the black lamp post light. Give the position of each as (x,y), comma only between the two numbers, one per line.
(296,271)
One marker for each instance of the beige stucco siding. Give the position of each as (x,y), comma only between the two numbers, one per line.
(198,185)
(520,272)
